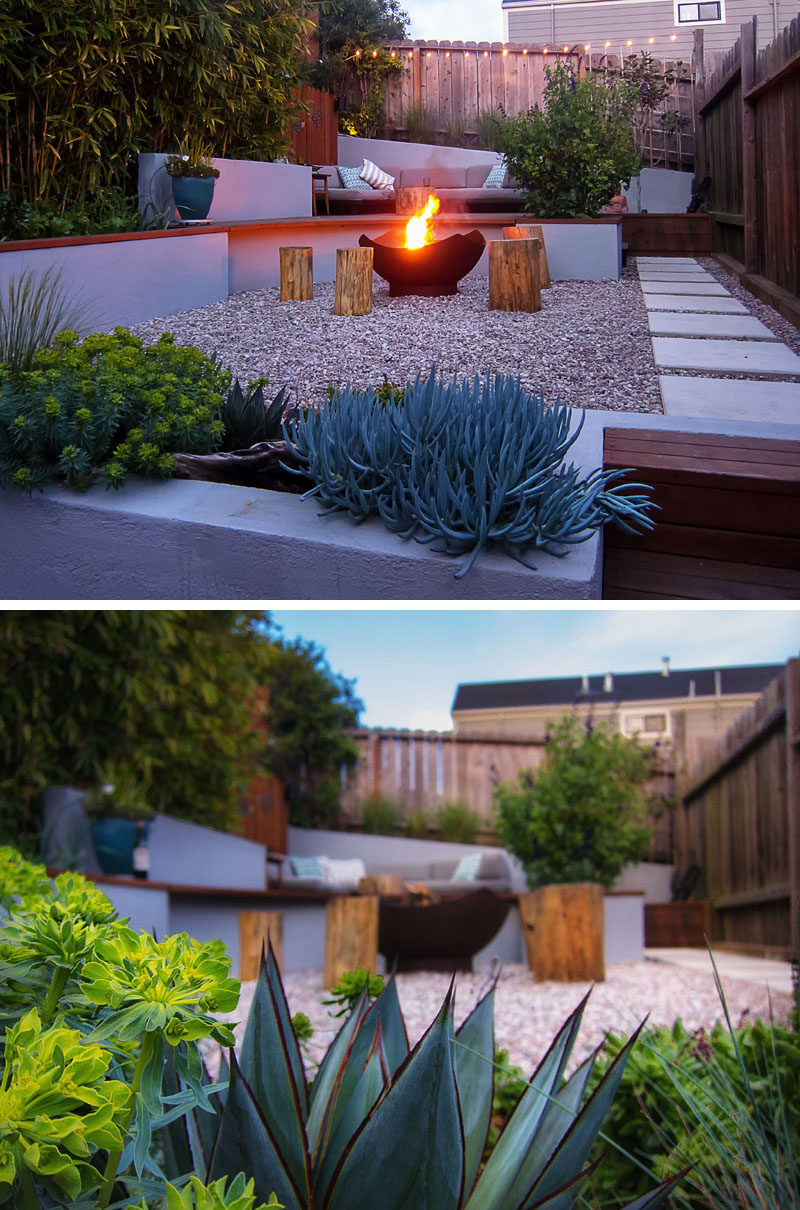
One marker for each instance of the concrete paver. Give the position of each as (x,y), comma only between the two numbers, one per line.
(731,356)
(687,275)
(731,399)
(668,323)
(715,303)
(666,260)
(700,288)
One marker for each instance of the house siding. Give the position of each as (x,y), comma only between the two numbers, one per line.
(576,23)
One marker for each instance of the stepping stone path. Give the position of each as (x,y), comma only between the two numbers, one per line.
(697,325)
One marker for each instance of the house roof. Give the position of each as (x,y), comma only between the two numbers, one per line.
(625,687)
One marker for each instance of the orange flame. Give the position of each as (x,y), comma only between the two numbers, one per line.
(418,228)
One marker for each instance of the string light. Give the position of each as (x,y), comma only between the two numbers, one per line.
(505,50)
(447,54)
(486,54)
(524,50)
(629,42)
(411,54)
(607,45)
(430,52)
(544,52)
(393,54)
(672,37)
(651,41)
(358,52)
(374,54)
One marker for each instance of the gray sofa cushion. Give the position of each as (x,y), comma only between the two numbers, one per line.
(437,178)
(476,175)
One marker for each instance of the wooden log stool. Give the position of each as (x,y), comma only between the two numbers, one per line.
(353,294)
(411,199)
(351,936)
(514,275)
(564,932)
(532,232)
(297,279)
(255,930)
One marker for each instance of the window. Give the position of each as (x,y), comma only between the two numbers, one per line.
(646,724)
(700,13)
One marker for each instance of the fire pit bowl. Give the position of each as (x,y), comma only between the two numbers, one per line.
(431,270)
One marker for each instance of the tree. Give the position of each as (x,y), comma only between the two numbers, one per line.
(571,156)
(310,709)
(582,815)
(169,699)
(354,64)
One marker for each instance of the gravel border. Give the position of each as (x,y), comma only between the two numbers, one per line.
(528,1014)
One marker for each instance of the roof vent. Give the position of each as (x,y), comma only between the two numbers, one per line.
(584,683)
(665,665)
(608,682)
(692,688)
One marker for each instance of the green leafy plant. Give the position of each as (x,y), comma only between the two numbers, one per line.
(379,816)
(571,156)
(491,124)
(421,123)
(197,1196)
(726,1102)
(354,63)
(463,466)
(123,797)
(35,309)
(417,825)
(109,405)
(345,994)
(108,211)
(249,419)
(582,814)
(387,1126)
(193,165)
(458,822)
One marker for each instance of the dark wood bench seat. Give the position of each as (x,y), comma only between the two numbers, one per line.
(728,521)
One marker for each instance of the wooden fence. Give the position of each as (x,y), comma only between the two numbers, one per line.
(747,127)
(456,82)
(314,135)
(738,820)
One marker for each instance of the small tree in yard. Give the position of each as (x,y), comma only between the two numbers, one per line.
(582,815)
(571,156)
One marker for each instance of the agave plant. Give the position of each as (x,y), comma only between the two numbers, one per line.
(392,1128)
(463,466)
(248,418)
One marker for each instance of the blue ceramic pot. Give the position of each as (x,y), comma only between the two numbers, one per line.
(193,195)
(114,841)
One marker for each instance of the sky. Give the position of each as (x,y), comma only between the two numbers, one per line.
(468,21)
(408,662)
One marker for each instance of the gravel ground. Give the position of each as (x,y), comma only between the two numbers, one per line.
(528,1014)
(589,344)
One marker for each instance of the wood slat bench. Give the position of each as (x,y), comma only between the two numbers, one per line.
(728,518)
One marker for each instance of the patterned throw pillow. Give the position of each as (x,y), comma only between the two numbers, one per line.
(351,177)
(306,867)
(375,177)
(467,868)
(497,174)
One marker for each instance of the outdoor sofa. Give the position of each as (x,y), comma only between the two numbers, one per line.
(460,190)
(449,875)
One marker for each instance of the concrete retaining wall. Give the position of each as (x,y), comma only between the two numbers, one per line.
(660,191)
(353,150)
(244,190)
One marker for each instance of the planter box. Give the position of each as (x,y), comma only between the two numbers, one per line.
(246,190)
(682,924)
(186,540)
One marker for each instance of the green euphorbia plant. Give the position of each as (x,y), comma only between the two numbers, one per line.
(582,814)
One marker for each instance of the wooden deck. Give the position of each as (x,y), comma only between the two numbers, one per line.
(728,519)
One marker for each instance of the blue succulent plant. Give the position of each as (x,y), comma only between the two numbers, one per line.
(464,466)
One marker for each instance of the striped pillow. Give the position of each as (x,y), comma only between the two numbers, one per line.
(375,177)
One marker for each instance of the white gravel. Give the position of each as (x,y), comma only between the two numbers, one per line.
(589,344)
(528,1014)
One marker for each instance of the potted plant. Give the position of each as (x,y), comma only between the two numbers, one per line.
(573,823)
(119,817)
(193,177)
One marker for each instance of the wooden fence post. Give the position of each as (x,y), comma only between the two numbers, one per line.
(297,277)
(698,98)
(514,275)
(749,45)
(793,798)
(353,294)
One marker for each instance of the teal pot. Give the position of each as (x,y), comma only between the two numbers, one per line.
(114,841)
(193,195)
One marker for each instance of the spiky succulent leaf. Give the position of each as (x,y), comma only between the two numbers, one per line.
(246,1143)
(514,1162)
(328,1083)
(409,1151)
(473,1055)
(272,1066)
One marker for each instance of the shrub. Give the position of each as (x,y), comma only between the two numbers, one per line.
(417,825)
(459,824)
(421,123)
(581,815)
(727,1102)
(107,405)
(109,210)
(461,466)
(379,816)
(492,124)
(571,156)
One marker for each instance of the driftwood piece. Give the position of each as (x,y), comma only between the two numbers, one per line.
(297,275)
(353,281)
(258,466)
(514,275)
(523,231)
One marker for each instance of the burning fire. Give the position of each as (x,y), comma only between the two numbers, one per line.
(418,228)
